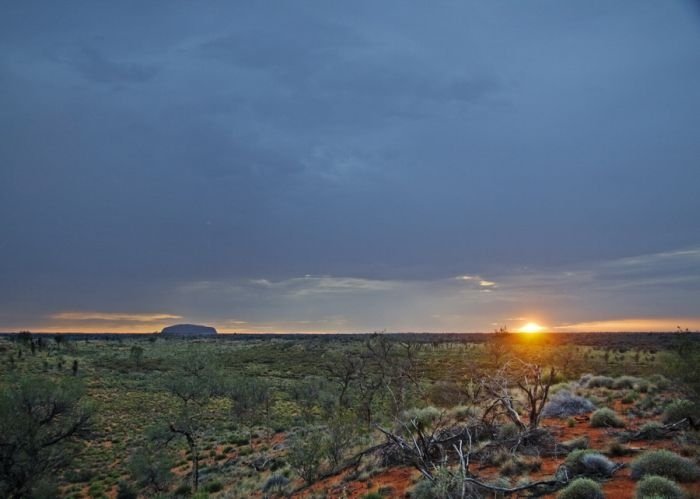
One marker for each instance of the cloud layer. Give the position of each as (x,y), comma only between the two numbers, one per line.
(200,161)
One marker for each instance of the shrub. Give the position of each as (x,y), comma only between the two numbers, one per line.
(665,463)
(582,488)
(600,382)
(565,404)
(606,417)
(589,462)
(677,410)
(653,486)
(624,383)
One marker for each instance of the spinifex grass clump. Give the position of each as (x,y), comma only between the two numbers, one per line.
(565,404)
(606,418)
(679,409)
(582,488)
(658,486)
(665,463)
(589,462)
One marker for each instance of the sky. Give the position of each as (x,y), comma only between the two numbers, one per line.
(316,166)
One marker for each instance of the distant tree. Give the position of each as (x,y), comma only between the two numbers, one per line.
(686,369)
(39,419)
(24,338)
(75,367)
(136,354)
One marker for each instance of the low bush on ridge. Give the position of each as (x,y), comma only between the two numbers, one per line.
(582,488)
(657,486)
(665,463)
(677,410)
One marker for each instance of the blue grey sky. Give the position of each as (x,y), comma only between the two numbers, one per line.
(349,166)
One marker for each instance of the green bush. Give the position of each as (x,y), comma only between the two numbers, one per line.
(679,409)
(606,417)
(652,486)
(582,488)
(665,463)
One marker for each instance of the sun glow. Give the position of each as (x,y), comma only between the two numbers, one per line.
(531,327)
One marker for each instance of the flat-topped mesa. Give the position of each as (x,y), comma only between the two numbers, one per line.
(189,330)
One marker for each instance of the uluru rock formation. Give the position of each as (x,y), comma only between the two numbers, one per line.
(189,330)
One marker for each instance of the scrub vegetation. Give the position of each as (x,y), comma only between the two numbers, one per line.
(381,415)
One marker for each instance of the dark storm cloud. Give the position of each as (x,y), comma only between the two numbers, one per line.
(147,149)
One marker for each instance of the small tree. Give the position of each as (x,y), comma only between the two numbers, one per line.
(251,401)
(306,453)
(193,383)
(530,380)
(150,469)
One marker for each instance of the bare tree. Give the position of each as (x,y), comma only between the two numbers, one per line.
(530,380)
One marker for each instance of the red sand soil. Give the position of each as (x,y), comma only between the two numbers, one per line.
(394,482)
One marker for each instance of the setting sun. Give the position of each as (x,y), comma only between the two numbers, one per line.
(531,327)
